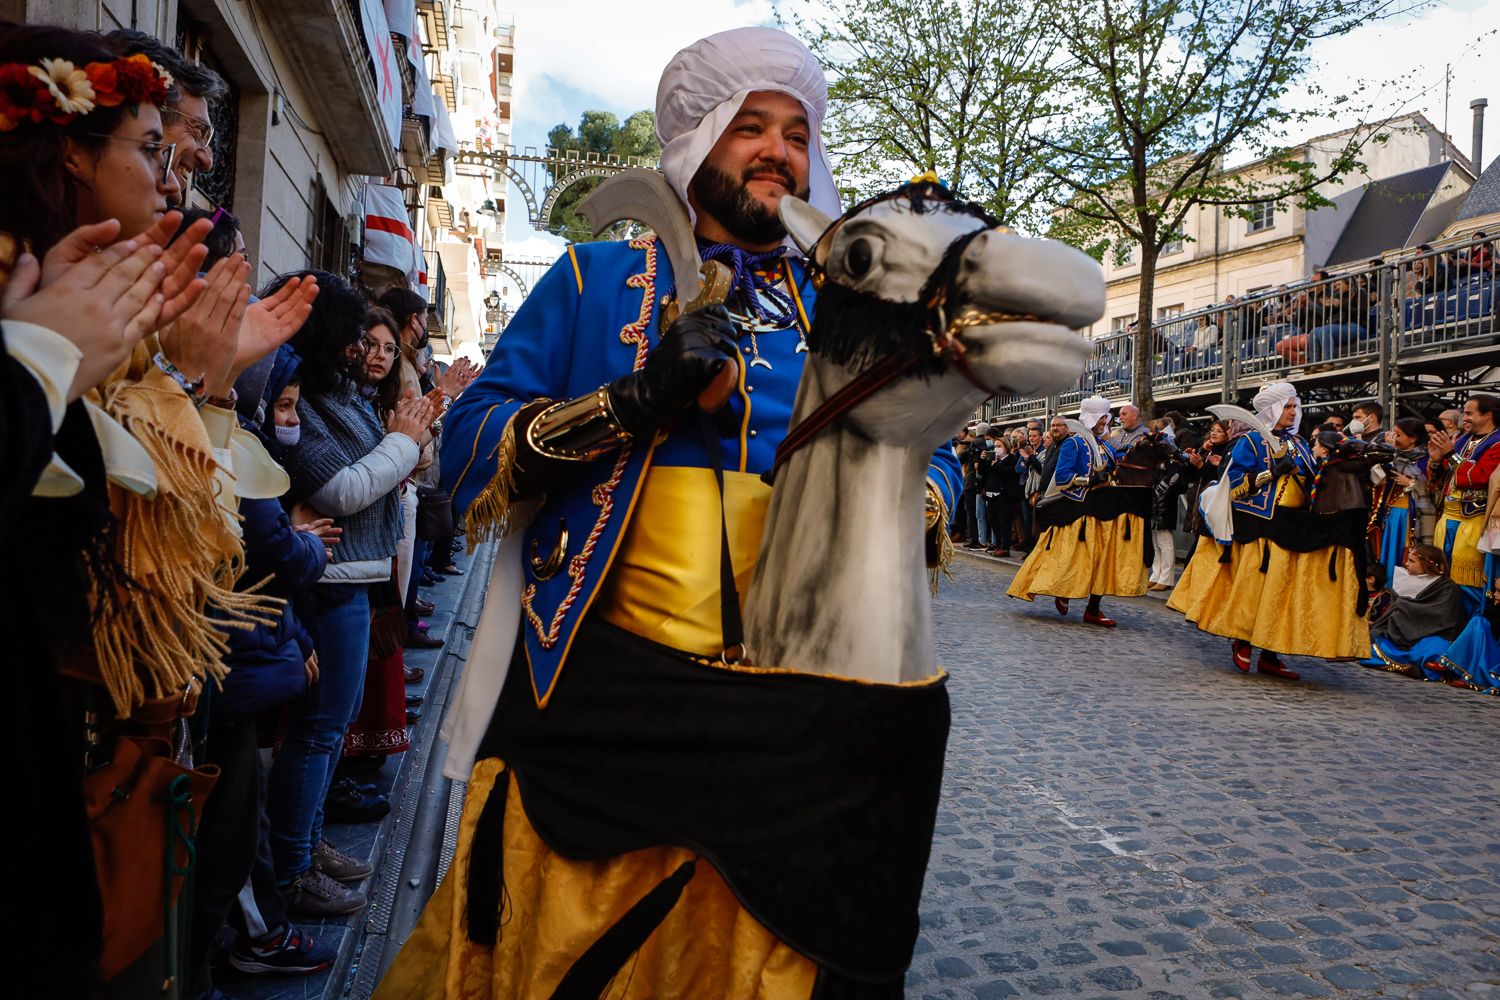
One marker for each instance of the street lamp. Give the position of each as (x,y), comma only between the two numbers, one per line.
(492,300)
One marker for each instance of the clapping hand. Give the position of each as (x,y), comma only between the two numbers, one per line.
(459,376)
(203,340)
(104,305)
(271,321)
(413,416)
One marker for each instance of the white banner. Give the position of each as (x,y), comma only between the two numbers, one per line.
(387,72)
(388,236)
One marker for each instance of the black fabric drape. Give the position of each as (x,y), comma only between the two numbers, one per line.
(815,798)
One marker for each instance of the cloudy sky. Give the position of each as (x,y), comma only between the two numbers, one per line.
(577,55)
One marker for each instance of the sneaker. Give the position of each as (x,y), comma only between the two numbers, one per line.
(337,865)
(348,803)
(314,894)
(293,953)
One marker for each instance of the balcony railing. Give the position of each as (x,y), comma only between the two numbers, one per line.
(1416,311)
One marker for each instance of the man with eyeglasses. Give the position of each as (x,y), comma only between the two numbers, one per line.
(187,117)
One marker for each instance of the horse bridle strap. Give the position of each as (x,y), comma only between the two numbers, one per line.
(855,391)
(943,333)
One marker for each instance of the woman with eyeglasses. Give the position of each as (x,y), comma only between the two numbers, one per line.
(348,464)
(379,731)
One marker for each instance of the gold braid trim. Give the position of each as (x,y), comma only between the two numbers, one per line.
(488,517)
(937,520)
(180,553)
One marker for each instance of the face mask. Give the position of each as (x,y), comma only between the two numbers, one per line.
(288,436)
(1356,427)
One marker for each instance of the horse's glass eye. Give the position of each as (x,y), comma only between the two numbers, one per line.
(859,257)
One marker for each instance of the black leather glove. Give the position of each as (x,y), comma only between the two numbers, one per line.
(1284,466)
(693,352)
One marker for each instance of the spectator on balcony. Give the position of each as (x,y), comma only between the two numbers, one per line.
(1344,313)
(1481,257)
(1429,273)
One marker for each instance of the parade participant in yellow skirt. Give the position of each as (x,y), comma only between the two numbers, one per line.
(1473,459)
(1088,549)
(1288,582)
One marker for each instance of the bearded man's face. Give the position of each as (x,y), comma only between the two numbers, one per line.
(762,156)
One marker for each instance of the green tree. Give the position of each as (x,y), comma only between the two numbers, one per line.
(958,88)
(1163,91)
(597,132)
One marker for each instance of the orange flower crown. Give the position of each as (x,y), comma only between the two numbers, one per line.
(59,92)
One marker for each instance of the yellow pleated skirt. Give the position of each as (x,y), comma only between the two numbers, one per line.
(707,948)
(1109,560)
(1294,607)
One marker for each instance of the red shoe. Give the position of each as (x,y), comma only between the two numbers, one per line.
(1271,664)
(1241,654)
(1061,603)
(1097,618)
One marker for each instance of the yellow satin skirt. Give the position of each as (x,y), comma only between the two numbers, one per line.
(1293,607)
(707,948)
(1105,561)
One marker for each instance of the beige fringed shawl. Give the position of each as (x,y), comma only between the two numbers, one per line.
(177,548)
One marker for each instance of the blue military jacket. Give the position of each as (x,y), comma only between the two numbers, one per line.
(1076,465)
(591,318)
(1253,489)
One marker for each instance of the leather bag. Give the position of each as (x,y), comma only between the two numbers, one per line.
(143,811)
(434,513)
(387,619)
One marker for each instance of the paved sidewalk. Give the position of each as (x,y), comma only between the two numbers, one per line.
(1125,814)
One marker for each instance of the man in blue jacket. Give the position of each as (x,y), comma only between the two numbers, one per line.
(586,418)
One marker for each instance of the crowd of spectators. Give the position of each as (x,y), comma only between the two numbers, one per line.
(222,508)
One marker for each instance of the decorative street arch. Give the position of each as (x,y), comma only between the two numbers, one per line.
(547,172)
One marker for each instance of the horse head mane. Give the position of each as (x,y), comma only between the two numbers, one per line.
(857,328)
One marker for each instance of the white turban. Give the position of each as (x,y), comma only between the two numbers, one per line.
(1092,409)
(1271,401)
(701,91)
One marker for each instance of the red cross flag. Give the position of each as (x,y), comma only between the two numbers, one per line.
(387,72)
(388,235)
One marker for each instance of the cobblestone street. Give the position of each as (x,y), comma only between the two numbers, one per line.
(1126,814)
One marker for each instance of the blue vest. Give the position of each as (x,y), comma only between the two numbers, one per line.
(591,318)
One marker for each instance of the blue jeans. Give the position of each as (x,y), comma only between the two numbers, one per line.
(1326,343)
(315,729)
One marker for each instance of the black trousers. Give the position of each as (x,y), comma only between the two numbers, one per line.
(228,836)
(999,510)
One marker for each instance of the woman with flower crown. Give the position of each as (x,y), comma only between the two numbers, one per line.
(126,544)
